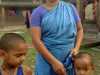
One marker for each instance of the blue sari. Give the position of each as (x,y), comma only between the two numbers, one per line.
(58,29)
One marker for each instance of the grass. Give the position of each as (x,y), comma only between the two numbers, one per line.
(30,59)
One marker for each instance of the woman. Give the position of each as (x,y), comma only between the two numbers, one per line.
(56,33)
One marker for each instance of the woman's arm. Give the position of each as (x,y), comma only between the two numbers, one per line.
(79,35)
(40,47)
(79,38)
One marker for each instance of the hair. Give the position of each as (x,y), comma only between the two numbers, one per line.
(83,55)
(10,40)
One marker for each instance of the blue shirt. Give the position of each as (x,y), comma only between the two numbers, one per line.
(40,11)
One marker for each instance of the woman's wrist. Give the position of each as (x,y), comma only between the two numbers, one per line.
(76,48)
(75,51)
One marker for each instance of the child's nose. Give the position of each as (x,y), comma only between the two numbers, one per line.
(22,58)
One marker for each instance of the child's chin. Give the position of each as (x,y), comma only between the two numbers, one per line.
(19,64)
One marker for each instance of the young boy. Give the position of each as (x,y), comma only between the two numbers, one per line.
(83,64)
(13,49)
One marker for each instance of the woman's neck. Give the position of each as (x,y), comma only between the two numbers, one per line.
(50,5)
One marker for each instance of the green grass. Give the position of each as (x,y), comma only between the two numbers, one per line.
(30,58)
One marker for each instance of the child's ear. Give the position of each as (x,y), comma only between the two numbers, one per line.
(2,53)
(93,67)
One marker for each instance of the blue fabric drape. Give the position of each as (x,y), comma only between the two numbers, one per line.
(58,29)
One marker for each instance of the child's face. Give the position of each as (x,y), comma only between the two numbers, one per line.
(82,68)
(16,56)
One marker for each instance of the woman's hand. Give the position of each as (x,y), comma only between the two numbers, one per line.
(59,68)
(74,51)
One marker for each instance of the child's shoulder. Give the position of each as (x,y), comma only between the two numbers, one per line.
(26,70)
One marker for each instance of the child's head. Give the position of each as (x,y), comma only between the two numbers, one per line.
(13,48)
(83,64)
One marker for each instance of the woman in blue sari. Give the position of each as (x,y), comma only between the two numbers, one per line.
(56,34)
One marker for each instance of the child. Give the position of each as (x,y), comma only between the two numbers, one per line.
(83,64)
(13,49)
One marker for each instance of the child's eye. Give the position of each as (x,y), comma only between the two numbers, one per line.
(18,55)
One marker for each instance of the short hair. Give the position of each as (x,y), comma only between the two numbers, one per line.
(83,55)
(10,40)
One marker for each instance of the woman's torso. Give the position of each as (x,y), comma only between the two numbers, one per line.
(58,37)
